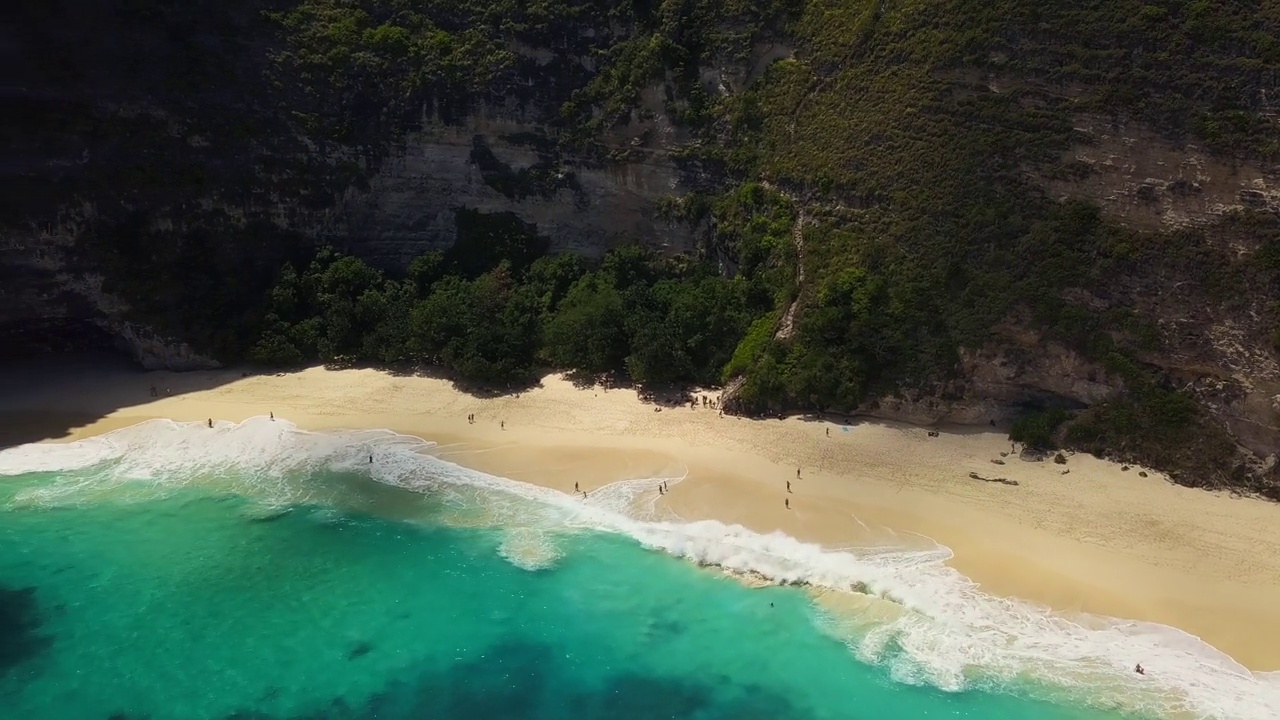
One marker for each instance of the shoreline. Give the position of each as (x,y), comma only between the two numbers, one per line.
(1098,540)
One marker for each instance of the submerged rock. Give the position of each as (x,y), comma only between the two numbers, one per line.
(360,650)
(19,621)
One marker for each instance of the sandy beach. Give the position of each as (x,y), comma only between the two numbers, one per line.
(1099,539)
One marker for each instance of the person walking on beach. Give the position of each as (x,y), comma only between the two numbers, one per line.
(797,473)
(788,486)
(502,424)
(660,489)
(575,488)
(271,414)
(210,422)
(828,432)
(787,502)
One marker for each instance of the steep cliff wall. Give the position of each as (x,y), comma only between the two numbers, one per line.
(168,143)
(410,203)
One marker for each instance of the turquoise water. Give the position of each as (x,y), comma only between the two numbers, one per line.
(234,592)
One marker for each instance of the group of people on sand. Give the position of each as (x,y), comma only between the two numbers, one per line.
(471,420)
(786,501)
(707,402)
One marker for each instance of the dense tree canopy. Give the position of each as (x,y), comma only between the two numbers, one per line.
(655,320)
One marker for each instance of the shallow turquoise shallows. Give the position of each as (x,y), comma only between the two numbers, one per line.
(243,591)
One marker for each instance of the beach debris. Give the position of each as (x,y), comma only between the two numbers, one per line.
(1060,459)
(1002,481)
(997,461)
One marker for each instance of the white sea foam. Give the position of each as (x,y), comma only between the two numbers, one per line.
(946,632)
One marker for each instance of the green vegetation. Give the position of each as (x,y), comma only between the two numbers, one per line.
(1162,428)
(500,317)
(1037,429)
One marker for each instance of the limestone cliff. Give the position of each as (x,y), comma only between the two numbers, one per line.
(410,202)
(118,176)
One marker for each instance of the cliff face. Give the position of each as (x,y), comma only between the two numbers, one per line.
(50,303)
(1146,181)
(55,297)
(586,208)
(130,161)
(1215,344)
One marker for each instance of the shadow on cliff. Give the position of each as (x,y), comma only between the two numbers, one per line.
(49,397)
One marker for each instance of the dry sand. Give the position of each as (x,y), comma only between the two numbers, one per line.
(1098,540)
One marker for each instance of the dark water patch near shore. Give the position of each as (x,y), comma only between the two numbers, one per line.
(20,639)
(518,680)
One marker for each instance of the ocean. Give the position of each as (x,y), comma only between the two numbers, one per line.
(258,571)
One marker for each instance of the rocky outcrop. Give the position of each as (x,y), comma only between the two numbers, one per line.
(1141,178)
(50,302)
(1000,381)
